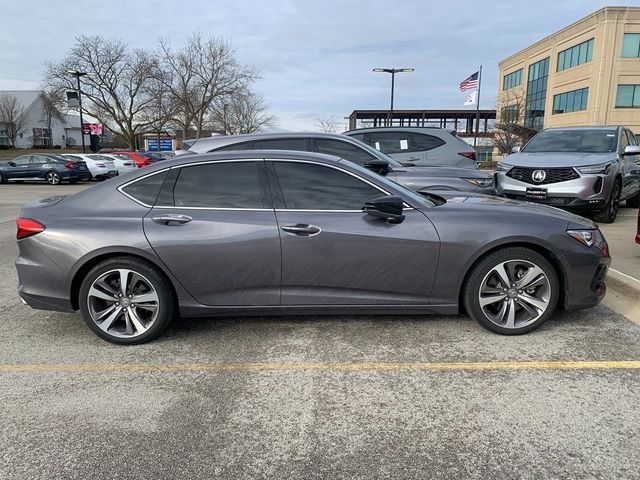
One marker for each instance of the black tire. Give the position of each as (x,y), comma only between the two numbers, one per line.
(53,178)
(610,211)
(166,299)
(2,179)
(474,282)
(634,202)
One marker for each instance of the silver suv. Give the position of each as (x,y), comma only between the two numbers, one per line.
(420,146)
(577,168)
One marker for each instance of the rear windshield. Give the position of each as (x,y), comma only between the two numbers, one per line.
(583,141)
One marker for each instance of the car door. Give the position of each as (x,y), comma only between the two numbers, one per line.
(334,254)
(40,165)
(214,227)
(20,168)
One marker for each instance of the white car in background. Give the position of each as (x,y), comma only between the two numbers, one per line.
(100,169)
(122,163)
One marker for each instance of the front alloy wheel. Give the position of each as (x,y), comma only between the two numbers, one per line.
(512,291)
(126,300)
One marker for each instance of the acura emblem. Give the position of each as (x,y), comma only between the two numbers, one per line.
(539,175)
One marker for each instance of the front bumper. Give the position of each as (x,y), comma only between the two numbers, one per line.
(589,192)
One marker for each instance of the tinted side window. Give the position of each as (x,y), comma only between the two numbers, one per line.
(422,142)
(24,160)
(343,150)
(281,144)
(146,190)
(234,146)
(219,185)
(307,186)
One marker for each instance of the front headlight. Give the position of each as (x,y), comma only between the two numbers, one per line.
(480,182)
(503,167)
(590,238)
(595,169)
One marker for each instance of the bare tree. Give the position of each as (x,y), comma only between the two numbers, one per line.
(243,112)
(328,123)
(13,116)
(52,102)
(198,74)
(510,129)
(117,92)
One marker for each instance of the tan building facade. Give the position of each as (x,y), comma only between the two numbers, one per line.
(586,74)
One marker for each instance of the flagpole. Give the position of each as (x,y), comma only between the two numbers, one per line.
(475,135)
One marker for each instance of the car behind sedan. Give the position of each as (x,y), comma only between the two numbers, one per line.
(277,232)
(43,167)
(420,179)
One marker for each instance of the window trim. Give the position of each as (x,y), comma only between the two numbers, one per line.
(135,180)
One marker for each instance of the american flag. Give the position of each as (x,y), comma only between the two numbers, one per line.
(469,83)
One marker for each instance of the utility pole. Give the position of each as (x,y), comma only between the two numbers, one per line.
(78,74)
(475,135)
(393,72)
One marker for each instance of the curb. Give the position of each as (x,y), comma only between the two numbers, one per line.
(623,283)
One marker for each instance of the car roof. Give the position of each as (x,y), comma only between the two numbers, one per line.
(585,127)
(400,129)
(223,140)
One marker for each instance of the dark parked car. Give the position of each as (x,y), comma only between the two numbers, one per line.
(43,167)
(420,179)
(279,232)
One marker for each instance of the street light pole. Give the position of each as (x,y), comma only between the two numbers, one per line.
(393,72)
(78,74)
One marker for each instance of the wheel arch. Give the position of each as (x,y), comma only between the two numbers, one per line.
(86,264)
(536,247)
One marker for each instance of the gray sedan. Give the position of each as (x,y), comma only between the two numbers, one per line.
(275,232)
(419,179)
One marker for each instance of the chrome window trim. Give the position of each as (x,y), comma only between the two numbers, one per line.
(131,182)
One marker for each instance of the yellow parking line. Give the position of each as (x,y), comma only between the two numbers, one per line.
(350,366)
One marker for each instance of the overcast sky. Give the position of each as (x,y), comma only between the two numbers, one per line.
(315,57)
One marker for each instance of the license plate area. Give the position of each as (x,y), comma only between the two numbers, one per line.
(535,193)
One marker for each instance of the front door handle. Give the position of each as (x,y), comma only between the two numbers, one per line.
(171,219)
(301,229)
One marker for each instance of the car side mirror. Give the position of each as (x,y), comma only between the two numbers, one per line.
(631,150)
(12,164)
(388,207)
(516,149)
(381,167)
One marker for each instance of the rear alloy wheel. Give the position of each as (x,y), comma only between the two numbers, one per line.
(610,211)
(2,179)
(53,178)
(512,291)
(125,300)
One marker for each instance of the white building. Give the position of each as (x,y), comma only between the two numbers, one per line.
(64,131)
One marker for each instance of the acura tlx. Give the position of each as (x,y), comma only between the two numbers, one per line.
(281,232)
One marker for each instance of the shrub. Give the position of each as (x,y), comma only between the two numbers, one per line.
(57,147)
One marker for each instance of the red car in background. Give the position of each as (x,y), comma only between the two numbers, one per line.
(136,157)
(638,232)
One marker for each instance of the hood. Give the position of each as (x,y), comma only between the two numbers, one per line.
(480,202)
(445,172)
(558,159)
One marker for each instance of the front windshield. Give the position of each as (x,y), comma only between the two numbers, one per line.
(582,141)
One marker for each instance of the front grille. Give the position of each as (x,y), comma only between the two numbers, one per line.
(553,175)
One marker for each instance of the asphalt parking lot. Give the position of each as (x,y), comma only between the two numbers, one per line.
(315,397)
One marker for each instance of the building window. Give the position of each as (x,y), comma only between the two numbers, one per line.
(510,114)
(537,94)
(511,80)
(631,45)
(573,101)
(628,96)
(574,56)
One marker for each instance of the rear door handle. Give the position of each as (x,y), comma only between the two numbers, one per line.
(171,219)
(301,229)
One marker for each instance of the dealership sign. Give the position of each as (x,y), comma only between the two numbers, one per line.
(92,128)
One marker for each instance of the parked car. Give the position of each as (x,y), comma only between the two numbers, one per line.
(101,169)
(44,167)
(420,179)
(281,232)
(140,160)
(580,168)
(123,164)
(154,156)
(420,146)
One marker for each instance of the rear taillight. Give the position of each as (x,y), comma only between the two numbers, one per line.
(470,155)
(28,227)
(71,165)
